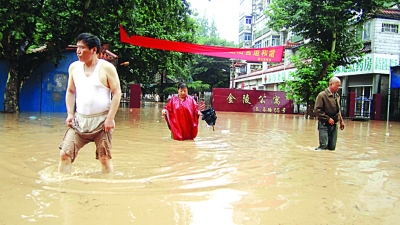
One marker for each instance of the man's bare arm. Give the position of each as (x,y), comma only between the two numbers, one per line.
(115,86)
(70,96)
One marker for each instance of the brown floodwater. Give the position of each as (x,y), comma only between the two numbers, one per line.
(253,169)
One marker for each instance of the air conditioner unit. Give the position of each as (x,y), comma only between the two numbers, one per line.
(247,26)
(247,43)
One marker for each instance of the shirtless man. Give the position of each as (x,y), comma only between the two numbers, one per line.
(90,85)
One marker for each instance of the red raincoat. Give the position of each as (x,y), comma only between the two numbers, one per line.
(182,118)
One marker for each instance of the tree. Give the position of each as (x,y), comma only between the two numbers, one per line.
(193,87)
(210,70)
(29,24)
(202,72)
(302,87)
(331,28)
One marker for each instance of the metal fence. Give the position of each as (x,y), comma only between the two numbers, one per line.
(362,107)
(344,106)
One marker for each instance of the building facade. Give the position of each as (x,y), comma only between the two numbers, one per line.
(253,24)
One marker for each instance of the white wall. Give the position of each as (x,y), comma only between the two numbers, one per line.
(245,7)
(385,42)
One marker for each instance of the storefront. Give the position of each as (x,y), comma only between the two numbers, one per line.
(266,80)
(368,77)
(271,80)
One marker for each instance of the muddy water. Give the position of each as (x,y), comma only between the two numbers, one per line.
(253,169)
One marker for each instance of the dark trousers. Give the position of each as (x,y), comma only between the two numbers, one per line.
(327,135)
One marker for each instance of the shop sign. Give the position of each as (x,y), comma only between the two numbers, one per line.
(277,77)
(371,63)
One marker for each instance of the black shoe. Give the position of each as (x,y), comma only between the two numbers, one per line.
(319,149)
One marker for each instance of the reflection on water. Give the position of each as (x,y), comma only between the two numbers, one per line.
(253,169)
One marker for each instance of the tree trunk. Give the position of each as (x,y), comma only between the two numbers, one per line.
(323,72)
(11,99)
(310,110)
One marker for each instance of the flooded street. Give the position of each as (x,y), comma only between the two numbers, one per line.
(255,168)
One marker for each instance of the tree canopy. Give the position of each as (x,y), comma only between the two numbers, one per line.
(203,72)
(331,28)
(210,70)
(28,24)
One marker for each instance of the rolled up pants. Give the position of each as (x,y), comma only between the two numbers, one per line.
(327,135)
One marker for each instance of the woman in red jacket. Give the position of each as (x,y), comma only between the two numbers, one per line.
(182,115)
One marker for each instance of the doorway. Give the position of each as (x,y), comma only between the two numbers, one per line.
(363,100)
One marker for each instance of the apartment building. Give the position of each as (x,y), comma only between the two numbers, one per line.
(254,33)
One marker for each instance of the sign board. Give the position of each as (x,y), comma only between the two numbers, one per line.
(370,64)
(238,100)
(277,77)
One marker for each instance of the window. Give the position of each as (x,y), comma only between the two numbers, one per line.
(275,40)
(248,19)
(366,36)
(362,92)
(242,70)
(393,28)
(247,37)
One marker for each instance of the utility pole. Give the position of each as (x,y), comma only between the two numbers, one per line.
(253,22)
(233,71)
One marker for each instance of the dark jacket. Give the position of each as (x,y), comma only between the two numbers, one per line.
(326,107)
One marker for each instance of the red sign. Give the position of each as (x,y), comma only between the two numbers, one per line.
(238,100)
(270,54)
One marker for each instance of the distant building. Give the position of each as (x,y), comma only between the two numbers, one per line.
(254,33)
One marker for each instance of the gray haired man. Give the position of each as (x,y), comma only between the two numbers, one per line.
(327,108)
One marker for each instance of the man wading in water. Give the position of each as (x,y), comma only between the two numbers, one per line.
(90,84)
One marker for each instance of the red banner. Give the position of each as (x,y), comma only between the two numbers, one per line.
(270,54)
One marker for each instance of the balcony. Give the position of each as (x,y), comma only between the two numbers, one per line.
(241,28)
(244,27)
(261,32)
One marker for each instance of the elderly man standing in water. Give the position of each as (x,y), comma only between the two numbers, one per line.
(90,85)
(327,108)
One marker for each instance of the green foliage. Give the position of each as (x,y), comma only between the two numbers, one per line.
(305,85)
(193,87)
(331,28)
(329,25)
(210,70)
(169,91)
(198,86)
(28,24)
(203,72)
